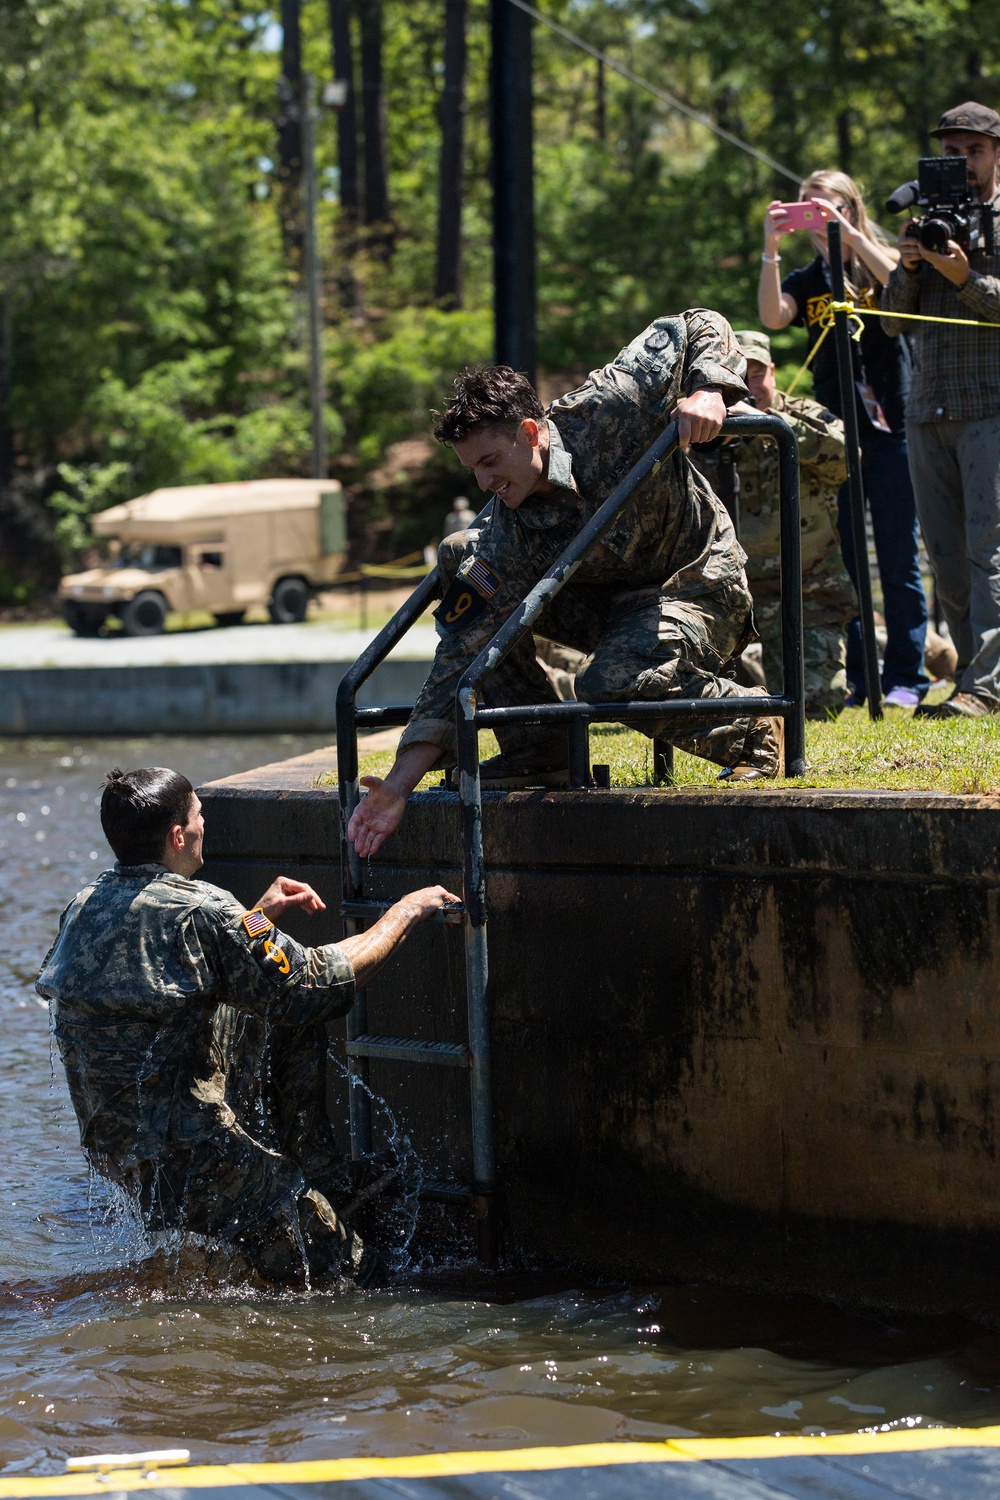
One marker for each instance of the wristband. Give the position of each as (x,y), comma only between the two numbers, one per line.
(770,260)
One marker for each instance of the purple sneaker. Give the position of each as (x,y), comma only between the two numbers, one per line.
(902,697)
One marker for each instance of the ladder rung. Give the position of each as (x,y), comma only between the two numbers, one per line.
(409,1049)
(365,907)
(446,1192)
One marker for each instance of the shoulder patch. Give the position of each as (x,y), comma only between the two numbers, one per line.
(256,923)
(475,585)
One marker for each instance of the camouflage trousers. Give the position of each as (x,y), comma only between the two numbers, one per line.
(825,654)
(263,1178)
(638,644)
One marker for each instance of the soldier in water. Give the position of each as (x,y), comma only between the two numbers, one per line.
(192,1032)
(661,606)
(744,473)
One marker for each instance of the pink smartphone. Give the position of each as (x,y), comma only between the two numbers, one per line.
(807,215)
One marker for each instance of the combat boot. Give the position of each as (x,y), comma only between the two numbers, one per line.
(763,755)
(524,768)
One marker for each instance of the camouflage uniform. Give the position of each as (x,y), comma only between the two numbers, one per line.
(193,1040)
(660,607)
(828,602)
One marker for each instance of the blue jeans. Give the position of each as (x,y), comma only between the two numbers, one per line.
(889,492)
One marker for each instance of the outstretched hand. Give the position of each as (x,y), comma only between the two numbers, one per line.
(376,816)
(284,893)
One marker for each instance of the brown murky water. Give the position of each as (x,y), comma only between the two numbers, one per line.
(102,1347)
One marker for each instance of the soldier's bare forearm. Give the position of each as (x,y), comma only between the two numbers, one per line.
(411,766)
(368,951)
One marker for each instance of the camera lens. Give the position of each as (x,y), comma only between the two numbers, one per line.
(934,235)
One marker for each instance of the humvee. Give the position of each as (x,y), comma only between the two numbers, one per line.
(224,548)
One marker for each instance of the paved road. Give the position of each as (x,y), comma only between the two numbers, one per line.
(56,646)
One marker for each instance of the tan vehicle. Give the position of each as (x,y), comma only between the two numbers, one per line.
(225,548)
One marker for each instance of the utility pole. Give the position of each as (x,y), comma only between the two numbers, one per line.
(513,187)
(313,276)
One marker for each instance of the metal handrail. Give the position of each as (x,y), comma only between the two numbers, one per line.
(470,717)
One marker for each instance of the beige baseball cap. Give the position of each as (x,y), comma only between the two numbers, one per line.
(754,345)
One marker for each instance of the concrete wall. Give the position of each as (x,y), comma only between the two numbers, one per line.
(753,1037)
(213,698)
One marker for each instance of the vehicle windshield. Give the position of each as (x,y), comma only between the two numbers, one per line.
(149,556)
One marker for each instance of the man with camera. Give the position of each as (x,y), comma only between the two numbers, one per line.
(950,268)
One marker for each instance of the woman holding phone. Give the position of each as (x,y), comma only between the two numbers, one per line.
(881,381)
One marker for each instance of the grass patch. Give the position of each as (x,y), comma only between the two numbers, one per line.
(898,754)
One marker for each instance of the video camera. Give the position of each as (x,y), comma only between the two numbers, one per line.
(941,188)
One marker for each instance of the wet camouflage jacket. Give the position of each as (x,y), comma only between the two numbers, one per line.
(140,981)
(827,593)
(673,532)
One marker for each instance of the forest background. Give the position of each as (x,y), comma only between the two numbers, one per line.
(152,328)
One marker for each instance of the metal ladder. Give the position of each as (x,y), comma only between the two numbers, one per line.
(362,1044)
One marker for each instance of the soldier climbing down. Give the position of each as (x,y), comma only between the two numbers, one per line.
(192,1035)
(661,606)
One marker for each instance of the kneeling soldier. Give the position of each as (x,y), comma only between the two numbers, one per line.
(744,474)
(192,1033)
(660,607)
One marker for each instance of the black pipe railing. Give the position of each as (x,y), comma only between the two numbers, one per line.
(471,717)
(857,531)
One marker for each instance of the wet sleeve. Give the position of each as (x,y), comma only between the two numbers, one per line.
(260,969)
(901,293)
(713,357)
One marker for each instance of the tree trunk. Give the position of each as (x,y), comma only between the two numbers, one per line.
(448,288)
(601,104)
(290,207)
(845,149)
(377,215)
(513,188)
(6,373)
(347,115)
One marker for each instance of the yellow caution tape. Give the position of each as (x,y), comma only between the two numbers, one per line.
(857,316)
(399,568)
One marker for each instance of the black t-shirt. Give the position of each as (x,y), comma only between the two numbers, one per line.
(881,362)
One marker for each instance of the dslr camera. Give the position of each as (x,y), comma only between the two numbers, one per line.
(941,189)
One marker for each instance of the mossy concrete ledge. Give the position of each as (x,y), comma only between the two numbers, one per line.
(752,1037)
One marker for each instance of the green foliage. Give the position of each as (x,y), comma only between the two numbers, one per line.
(387,389)
(154,329)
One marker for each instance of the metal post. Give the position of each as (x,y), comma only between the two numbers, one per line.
(792,652)
(855,484)
(477,981)
(663,761)
(513,187)
(578,732)
(359,1099)
(307,116)
(348,790)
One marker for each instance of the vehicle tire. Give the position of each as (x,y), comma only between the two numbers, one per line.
(289,601)
(230,617)
(146,614)
(81,620)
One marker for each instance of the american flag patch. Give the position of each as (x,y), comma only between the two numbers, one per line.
(255,923)
(482,578)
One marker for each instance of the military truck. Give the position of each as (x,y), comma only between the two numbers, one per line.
(224,548)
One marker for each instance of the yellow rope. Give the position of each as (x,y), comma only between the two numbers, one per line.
(857,316)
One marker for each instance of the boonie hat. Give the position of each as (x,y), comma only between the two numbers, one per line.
(970,116)
(754,345)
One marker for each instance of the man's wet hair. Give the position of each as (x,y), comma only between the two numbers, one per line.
(487,396)
(138,810)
